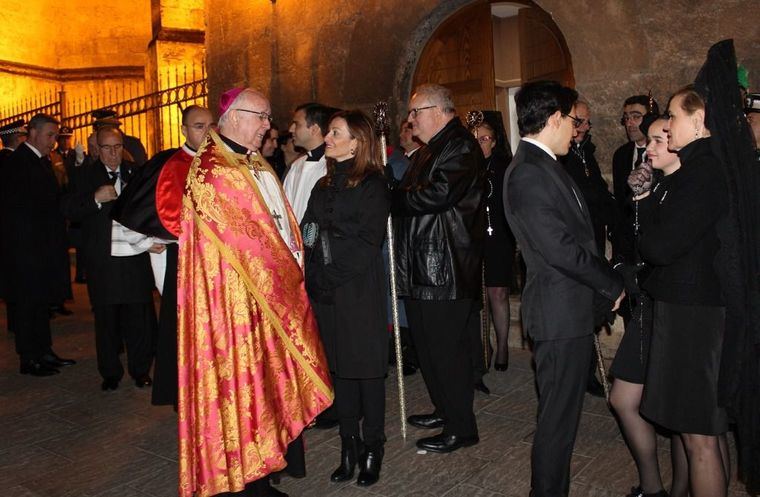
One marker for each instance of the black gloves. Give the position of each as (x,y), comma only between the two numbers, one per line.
(629,272)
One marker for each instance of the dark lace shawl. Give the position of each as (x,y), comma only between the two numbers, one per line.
(739,257)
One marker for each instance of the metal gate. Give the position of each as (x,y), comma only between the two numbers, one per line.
(155,118)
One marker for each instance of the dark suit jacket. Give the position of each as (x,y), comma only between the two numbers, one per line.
(110,280)
(33,247)
(593,187)
(623,245)
(622,162)
(557,243)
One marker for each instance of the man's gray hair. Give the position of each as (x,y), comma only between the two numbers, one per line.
(583,101)
(437,95)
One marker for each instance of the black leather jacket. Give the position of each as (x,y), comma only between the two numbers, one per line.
(439,219)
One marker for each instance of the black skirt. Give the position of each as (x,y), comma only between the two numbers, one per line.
(499,259)
(630,363)
(680,390)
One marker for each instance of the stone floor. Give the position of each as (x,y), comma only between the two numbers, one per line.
(62,437)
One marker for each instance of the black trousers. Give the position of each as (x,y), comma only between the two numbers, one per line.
(561,376)
(361,399)
(31,327)
(477,347)
(440,332)
(165,370)
(131,324)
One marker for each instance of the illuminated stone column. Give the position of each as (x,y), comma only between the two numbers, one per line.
(176,56)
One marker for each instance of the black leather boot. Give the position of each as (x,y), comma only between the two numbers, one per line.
(369,466)
(349,453)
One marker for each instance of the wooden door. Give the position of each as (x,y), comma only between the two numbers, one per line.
(543,51)
(459,56)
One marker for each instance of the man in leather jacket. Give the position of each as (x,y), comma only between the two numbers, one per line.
(440,222)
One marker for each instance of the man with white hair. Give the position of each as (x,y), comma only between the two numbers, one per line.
(440,222)
(251,369)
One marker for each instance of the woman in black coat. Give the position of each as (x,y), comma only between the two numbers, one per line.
(630,365)
(679,238)
(499,247)
(344,228)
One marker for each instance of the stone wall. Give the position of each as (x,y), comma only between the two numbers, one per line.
(84,34)
(46,48)
(622,47)
(354,53)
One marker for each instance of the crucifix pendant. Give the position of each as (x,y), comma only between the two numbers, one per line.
(490,231)
(277,218)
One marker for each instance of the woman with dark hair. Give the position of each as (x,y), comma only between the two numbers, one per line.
(680,223)
(630,364)
(344,228)
(499,247)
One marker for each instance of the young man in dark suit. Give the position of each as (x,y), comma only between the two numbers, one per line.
(624,160)
(551,222)
(119,277)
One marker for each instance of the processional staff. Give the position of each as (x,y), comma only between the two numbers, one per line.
(382,127)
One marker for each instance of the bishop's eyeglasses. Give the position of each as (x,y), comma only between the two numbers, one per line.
(263,116)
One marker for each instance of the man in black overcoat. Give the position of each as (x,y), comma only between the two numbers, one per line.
(34,236)
(119,279)
(440,225)
(12,135)
(551,223)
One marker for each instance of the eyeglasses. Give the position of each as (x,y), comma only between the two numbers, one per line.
(263,116)
(633,116)
(413,112)
(485,139)
(576,122)
(111,148)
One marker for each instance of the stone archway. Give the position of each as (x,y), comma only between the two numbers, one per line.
(544,43)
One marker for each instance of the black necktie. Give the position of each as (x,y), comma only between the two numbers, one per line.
(639,156)
(114,179)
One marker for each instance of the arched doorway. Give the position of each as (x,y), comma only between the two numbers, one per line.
(484,51)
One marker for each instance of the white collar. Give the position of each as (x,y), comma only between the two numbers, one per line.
(411,152)
(541,146)
(36,152)
(189,151)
